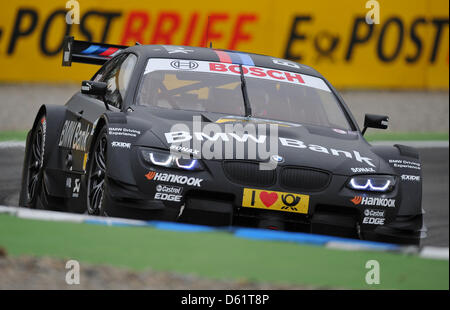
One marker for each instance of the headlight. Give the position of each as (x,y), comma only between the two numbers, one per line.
(165,159)
(372,183)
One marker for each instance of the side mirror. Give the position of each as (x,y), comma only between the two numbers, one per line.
(94,88)
(375,121)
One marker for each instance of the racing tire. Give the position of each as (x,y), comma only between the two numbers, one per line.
(32,181)
(96,176)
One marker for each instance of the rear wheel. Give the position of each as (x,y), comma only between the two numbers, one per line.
(34,164)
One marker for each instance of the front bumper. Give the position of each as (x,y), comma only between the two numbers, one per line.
(218,201)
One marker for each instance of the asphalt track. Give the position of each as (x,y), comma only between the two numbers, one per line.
(435,176)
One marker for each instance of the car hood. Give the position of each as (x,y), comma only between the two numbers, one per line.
(332,149)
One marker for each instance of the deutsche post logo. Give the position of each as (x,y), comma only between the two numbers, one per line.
(271,200)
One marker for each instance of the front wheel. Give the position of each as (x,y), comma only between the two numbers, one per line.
(97,174)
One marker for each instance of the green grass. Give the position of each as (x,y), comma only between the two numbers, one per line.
(13,135)
(379,136)
(217,255)
(407,136)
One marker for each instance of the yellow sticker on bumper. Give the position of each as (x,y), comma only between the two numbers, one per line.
(280,201)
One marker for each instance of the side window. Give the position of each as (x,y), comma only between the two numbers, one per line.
(101,72)
(125,72)
(117,75)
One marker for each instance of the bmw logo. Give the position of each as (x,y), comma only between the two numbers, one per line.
(277,158)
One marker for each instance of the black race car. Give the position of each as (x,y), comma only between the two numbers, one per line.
(218,137)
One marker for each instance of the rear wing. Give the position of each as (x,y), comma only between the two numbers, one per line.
(88,52)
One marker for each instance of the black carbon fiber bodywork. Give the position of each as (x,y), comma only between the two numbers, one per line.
(320,169)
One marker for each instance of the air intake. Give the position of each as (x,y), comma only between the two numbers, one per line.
(304,179)
(248,173)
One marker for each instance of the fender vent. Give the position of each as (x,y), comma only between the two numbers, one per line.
(304,179)
(407,151)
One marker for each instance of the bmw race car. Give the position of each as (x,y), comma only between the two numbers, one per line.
(221,138)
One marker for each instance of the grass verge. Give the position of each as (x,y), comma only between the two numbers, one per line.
(217,255)
(407,136)
(13,135)
(379,136)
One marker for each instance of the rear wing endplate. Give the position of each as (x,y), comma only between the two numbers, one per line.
(88,52)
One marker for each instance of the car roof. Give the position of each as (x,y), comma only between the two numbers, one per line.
(220,55)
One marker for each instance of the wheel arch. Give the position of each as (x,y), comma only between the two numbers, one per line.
(115,156)
(405,161)
(54,119)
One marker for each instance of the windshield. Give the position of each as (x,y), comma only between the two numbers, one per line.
(216,87)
